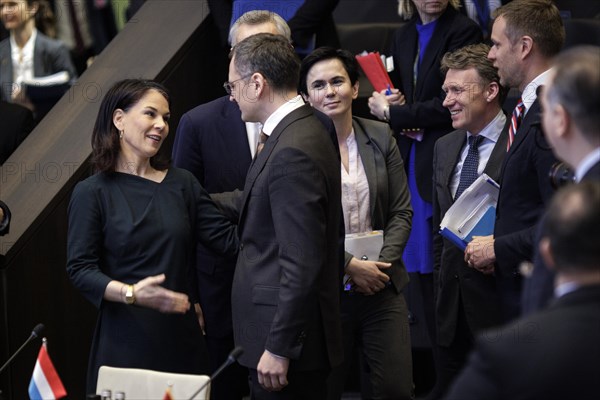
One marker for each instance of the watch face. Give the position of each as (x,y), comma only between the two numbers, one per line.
(129,297)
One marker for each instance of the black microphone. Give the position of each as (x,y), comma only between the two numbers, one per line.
(231,358)
(39,328)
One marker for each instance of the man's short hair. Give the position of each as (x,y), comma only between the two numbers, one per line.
(539,19)
(259,17)
(270,55)
(571,224)
(576,86)
(474,56)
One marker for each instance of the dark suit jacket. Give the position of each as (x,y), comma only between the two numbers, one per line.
(389,198)
(538,289)
(554,354)
(455,281)
(286,286)
(49,57)
(423,108)
(17,123)
(5,222)
(212,143)
(524,194)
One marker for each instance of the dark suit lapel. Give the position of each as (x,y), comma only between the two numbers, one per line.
(450,158)
(367,155)
(259,162)
(531,118)
(433,48)
(408,45)
(231,116)
(494,164)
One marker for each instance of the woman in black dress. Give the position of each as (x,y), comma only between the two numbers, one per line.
(132,232)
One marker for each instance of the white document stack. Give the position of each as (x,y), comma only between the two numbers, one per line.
(473,214)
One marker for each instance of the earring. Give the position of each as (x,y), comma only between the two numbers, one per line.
(120,134)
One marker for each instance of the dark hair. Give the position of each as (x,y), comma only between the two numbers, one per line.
(474,56)
(539,19)
(328,53)
(571,224)
(270,55)
(105,136)
(576,86)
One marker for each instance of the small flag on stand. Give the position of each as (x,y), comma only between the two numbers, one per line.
(168,395)
(45,383)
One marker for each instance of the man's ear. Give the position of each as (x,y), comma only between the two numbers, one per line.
(259,82)
(525,44)
(546,253)
(493,90)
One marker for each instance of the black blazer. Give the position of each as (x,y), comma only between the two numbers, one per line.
(553,355)
(17,123)
(454,280)
(423,108)
(389,197)
(286,286)
(524,194)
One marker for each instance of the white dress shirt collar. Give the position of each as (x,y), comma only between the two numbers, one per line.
(279,114)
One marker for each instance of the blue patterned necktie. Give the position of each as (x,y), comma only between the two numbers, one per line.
(468,173)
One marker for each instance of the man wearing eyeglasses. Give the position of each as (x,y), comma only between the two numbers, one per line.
(286,285)
(215,144)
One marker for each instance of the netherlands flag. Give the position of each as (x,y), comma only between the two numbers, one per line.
(45,383)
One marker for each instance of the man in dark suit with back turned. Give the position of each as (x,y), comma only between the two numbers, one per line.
(286,285)
(466,299)
(526,35)
(572,124)
(215,145)
(553,354)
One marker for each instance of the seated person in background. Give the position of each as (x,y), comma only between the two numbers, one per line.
(374,196)
(17,123)
(554,353)
(4,219)
(28,53)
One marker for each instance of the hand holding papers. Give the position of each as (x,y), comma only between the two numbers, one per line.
(375,71)
(365,246)
(473,214)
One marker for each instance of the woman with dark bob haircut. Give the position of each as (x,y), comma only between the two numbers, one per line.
(374,196)
(133,227)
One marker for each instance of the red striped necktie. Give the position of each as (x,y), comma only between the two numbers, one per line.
(515,122)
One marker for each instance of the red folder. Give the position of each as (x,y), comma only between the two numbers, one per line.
(375,71)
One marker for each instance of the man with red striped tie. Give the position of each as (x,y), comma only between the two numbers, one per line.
(526,35)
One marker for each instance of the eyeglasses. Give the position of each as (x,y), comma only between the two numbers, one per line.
(230,86)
